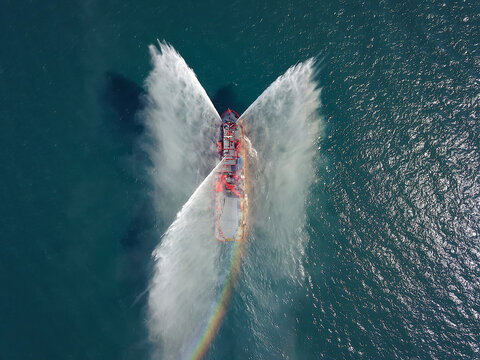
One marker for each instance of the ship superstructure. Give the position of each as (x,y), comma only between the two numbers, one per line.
(230,196)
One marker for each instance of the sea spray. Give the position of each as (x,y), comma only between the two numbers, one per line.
(284,126)
(193,273)
(181,126)
(187,275)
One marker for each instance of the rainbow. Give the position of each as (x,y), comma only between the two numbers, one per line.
(223,300)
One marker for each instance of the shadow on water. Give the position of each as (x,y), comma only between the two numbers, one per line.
(138,244)
(125,98)
(226,98)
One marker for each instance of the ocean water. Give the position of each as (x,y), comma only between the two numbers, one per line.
(364,192)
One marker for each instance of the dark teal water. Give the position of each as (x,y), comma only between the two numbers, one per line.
(392,261)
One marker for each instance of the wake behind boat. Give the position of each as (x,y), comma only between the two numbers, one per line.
(230,196)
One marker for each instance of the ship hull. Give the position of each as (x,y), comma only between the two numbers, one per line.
(230,194)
